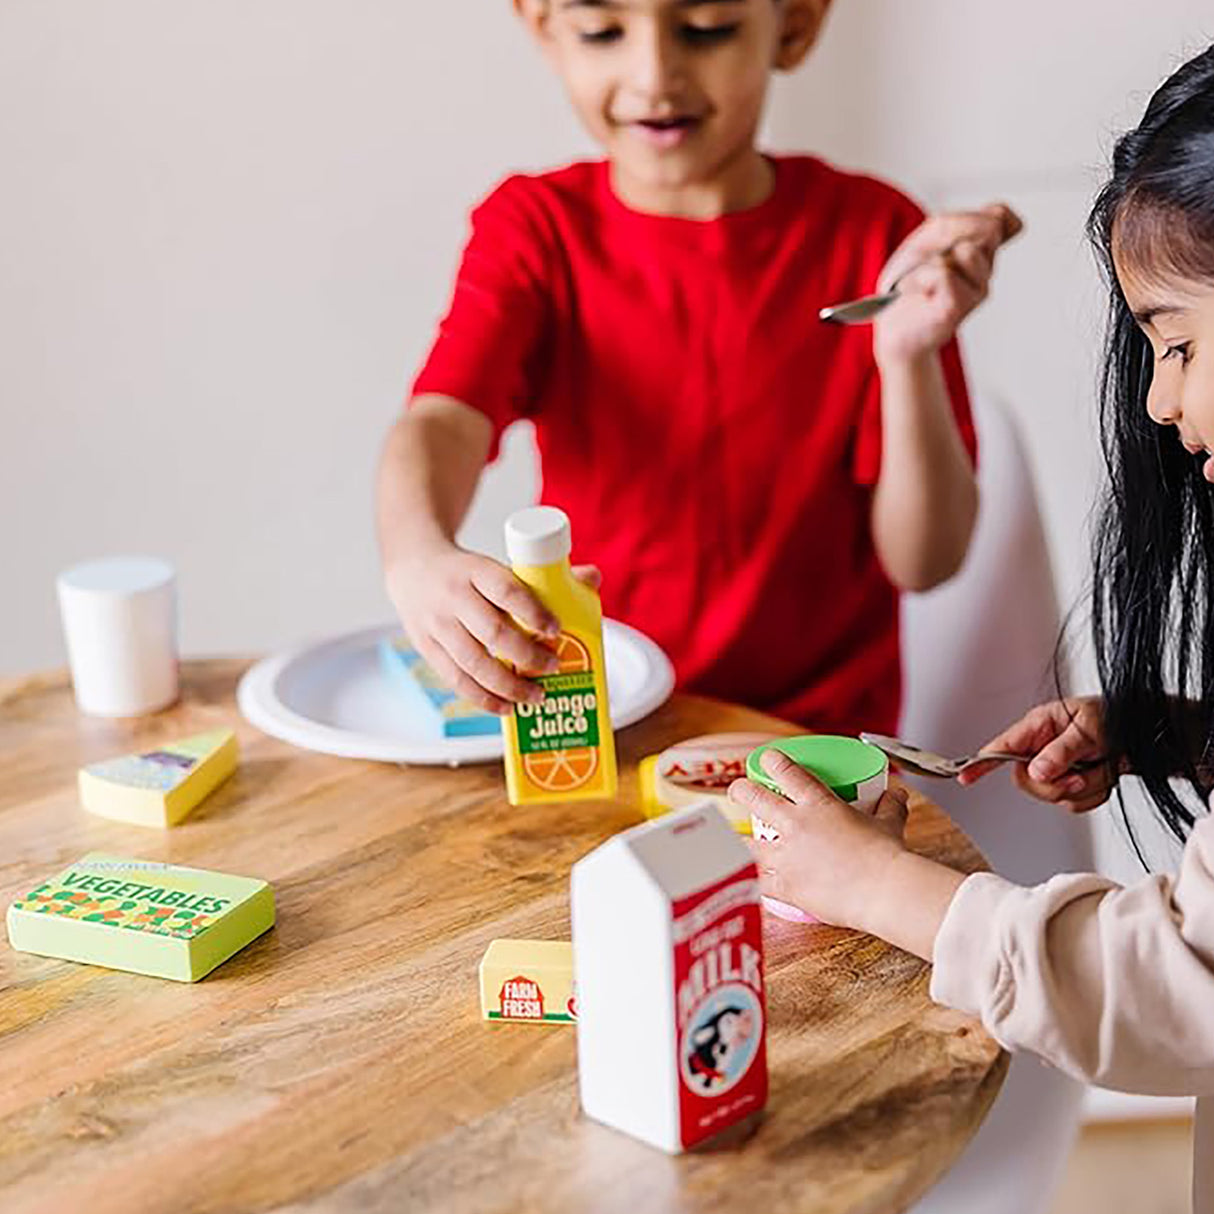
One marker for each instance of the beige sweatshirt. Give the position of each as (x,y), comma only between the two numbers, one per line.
(1112,985)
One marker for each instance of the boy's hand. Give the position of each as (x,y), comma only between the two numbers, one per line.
(943,270)
(830,860)
(1054,737)
(457,609)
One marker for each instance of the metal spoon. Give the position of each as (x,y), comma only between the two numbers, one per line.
(861,311)
(857,311)
(927,763)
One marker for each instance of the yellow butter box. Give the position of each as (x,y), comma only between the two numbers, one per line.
(528,982)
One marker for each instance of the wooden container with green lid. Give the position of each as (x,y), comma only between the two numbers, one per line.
(854,771)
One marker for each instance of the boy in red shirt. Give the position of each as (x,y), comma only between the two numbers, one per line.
(755,486)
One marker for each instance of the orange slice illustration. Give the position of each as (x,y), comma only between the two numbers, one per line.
(561,770)
(571,653)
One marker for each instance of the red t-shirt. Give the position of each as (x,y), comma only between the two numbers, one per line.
(713,443)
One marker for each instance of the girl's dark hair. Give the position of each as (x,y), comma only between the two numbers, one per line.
(1154,544)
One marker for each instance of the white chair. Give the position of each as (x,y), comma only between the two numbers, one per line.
(978,653)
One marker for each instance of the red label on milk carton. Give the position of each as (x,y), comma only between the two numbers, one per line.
(720,1006)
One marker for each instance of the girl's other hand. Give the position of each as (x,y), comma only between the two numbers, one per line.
(1053,738)
(943,270)
(831,860)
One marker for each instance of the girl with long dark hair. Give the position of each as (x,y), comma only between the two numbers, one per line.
(1113,984)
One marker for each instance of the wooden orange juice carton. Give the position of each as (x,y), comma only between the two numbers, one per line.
(668,960)
(562,749)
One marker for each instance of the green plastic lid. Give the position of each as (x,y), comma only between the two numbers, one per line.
(842,764)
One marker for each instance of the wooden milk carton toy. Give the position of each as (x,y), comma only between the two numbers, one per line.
(668,956)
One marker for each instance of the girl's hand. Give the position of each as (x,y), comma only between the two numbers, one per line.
(830,860)
(462,612)
(943,270)
(1053,737)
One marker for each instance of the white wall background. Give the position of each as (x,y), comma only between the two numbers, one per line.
(227,229)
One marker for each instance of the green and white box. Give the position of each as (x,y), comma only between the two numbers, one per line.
(141,915)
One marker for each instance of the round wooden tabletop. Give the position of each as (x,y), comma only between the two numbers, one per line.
(339,1063)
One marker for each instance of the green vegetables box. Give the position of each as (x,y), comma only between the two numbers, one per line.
(141,915)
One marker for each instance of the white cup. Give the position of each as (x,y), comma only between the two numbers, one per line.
(120,624)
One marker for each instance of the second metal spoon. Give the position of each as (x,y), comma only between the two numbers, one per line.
(928,763)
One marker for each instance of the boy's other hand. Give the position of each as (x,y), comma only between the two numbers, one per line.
(460,609)
(1053,738)
(943,270)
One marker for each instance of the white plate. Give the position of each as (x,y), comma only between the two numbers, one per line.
(333,697)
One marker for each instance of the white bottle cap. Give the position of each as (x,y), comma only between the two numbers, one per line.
(539,535)
(120,624)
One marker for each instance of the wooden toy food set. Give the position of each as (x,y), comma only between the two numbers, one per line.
(145,916)
(664,976)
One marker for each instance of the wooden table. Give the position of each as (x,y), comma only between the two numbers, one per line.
(340,1064)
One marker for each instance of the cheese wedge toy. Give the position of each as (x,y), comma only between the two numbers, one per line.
(140,915)
(160,787)
(440,712)
(528,982)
